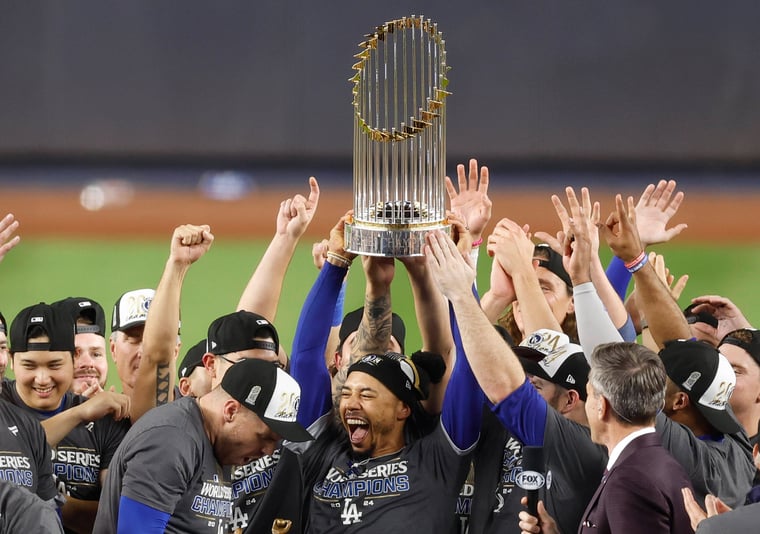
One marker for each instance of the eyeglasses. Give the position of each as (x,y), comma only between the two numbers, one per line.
(278,363)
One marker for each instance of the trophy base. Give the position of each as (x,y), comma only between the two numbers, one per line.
(393,242)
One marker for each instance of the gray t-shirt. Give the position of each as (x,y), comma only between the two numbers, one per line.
(723,467)
(167,462)
(413,488)
(24,452)
(743,519)
(574,465)
(22,512)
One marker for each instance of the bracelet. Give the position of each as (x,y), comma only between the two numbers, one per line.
(638,265)
(477,243)
(636,260)
(340,259)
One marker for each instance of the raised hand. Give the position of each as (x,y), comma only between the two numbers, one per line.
(190,242)
(337,243)
(452,273)
(620,231)
(296,213)
(728,314)
(319,253)
(654,210)
(8,226)
(511,246)
(471,202)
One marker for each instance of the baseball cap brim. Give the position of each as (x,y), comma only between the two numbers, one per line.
(289,430)
(721,420)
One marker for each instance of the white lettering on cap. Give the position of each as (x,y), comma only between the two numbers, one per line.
(716,396)
(37,319)
(261,322)
(84,303)
(283,406)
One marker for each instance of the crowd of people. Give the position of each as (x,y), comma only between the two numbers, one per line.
(565,397)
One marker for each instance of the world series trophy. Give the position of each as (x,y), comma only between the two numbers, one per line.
(399,99)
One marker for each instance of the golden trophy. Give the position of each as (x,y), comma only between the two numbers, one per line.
(399,98)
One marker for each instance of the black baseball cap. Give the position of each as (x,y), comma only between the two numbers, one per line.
(58,326)
(744,338)
(236,332)
(706,376)
(131,309)
(396,372)
(3,324)
(270,393)
(87,309)
(353,319)
(193,358)
(549,355)
(553,263)
(700,317)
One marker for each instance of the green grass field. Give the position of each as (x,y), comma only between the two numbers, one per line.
(48,269)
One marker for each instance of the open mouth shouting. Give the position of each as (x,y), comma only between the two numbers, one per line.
(358,428)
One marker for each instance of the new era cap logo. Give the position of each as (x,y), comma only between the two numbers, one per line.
(37,319)
(261,322)
(84,304)
(570,379)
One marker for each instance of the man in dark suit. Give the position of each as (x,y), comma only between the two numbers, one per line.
(641,490)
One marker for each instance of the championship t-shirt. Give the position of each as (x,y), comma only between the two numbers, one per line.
(167,462)
(389,493)
(573,465)
(82,453)
(24,452)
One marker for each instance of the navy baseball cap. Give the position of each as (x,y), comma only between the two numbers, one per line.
(57,325)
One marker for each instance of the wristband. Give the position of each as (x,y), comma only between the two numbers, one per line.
(477,243)
(345,262)
(632,269)
(636,260)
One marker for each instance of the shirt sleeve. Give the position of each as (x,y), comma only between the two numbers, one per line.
(618,276)
(462,411)
(594,324)
(137,517)
(523,413)
(307,360)
(178,465)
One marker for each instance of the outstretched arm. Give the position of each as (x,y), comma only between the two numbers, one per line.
(307,364)
(512,247)
(155,373)
(656,206)
(666,321)
(262,294)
